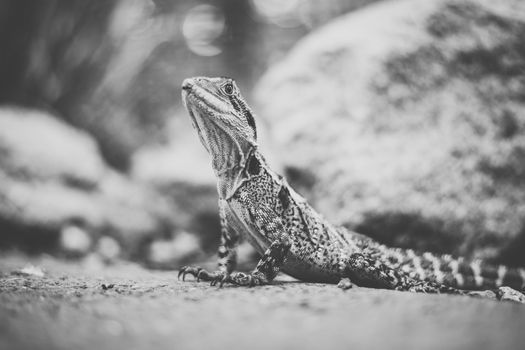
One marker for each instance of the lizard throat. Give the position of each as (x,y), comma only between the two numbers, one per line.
(228,155)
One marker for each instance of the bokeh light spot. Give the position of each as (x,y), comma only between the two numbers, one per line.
(201,27)
(285,14)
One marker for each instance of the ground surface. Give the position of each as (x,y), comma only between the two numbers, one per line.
(75,306)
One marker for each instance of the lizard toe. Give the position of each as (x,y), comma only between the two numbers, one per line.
(217,278)
(194,271)
(200,274)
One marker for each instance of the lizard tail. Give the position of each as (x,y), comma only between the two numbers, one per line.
(462,273)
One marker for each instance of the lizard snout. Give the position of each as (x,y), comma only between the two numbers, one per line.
(187,84)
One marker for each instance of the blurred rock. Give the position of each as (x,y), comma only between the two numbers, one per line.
(54,181)
(409,116)
(114,68)
(170,253)
(30,270)
(74,240)
(38,146)
(108,249)
(181,160)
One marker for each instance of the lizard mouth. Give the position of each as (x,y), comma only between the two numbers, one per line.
(189,101)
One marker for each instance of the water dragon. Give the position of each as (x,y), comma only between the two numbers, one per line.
(259,204)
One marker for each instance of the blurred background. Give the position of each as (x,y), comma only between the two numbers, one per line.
(400,119)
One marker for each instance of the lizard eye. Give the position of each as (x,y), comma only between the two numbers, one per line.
(228,88)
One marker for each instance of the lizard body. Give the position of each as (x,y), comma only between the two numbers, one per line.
(291,236)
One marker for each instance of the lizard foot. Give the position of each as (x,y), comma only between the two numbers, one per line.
(203,275)
(245,279)
(220,277)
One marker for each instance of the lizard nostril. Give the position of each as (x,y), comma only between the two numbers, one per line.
(186,84)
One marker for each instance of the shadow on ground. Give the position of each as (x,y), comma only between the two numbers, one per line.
(127,307)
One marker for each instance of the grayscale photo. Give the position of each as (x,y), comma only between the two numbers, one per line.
(262,174)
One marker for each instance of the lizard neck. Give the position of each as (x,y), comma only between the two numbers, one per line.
(230,177)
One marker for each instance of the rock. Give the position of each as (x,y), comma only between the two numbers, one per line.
(30,270)
(37,145)
(509,294)
(74,240)
(182,160)
(108,249)
(409,115)
(170,253)
(55,189)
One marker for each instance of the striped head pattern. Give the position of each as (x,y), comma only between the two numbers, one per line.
(222,118)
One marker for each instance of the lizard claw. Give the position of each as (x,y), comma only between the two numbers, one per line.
(251,281)
(224,279)
(219,278)
(191,270)
(201,274)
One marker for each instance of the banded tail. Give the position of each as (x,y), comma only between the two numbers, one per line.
(458,272)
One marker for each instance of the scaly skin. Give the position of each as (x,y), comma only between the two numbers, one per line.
(292,237)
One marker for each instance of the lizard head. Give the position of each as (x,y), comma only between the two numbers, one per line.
(222,119)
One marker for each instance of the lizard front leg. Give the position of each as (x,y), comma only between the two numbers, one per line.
(227,254)
(267,268)
(269,225)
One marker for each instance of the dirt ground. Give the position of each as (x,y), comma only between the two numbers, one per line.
(86,305)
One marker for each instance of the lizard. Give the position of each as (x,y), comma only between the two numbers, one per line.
(258,204)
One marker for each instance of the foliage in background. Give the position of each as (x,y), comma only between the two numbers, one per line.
(114,68)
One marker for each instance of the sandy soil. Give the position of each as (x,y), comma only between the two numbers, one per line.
(89,306)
